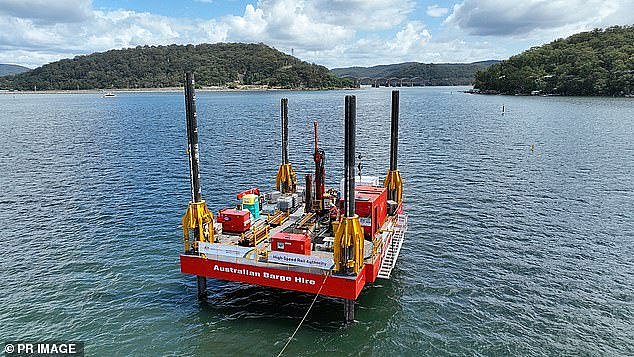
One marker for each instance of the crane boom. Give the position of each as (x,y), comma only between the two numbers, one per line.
(320,172)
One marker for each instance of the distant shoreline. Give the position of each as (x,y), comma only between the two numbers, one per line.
(246,88)
(540,94)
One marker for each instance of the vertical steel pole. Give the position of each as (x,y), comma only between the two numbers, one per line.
(192,137)
(349,182)
(320,172)
(348,310)
(309,194)
(349,154)
(194,160)
(284,115)
(394,131)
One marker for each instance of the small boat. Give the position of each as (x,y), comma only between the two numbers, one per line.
(109,94)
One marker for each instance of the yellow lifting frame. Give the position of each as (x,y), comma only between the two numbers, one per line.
(349,234)
(198,217)
(393,182)
(286,180)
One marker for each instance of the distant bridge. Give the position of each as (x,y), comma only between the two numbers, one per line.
(390,81)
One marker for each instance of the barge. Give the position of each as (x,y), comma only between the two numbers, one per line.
(298,237)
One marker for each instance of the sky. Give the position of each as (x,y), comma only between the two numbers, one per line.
(334,33)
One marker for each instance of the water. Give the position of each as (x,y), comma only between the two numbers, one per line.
(510,251)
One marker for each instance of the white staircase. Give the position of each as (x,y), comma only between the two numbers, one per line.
(393,250)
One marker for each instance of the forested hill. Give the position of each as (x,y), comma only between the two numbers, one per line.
(222,64)
(599,62)
(7,69)
(424,73)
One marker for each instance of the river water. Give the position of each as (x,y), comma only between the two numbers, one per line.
(510,251)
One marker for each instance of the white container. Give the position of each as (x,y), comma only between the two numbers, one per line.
(361,181)
(285,203)
(217,228)
(274,196)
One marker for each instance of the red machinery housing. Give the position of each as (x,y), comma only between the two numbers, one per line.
(291,243)
(255,191)
(234,221)
(371,207)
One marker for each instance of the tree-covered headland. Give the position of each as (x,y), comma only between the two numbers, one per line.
(221,64)
(594,63)
(427,74)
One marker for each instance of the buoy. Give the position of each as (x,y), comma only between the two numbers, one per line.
(532,147)
(503,109)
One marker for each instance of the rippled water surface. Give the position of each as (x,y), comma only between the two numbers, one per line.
(511,251)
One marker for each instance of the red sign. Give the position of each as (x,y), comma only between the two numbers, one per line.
(335,286)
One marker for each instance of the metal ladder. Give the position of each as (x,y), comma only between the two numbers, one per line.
(393,250)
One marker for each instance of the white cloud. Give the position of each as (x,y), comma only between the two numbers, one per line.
(284,23)
(104,30)
(503,18)
(413,37)
(250,25)
(314,25)
(47,10)
(436,11)
(360,14)
(329,32)
(30,58)
(408,44)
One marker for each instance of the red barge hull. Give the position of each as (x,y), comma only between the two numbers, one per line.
(334,286)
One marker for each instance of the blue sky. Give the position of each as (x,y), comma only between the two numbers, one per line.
(334,33)
(185,8)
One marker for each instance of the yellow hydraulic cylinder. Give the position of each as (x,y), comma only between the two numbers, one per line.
(198,218)
(348,245)
(394,185)
(286,180)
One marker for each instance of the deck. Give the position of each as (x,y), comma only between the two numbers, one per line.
(227,260)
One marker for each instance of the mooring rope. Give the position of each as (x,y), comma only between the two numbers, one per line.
(305,315)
